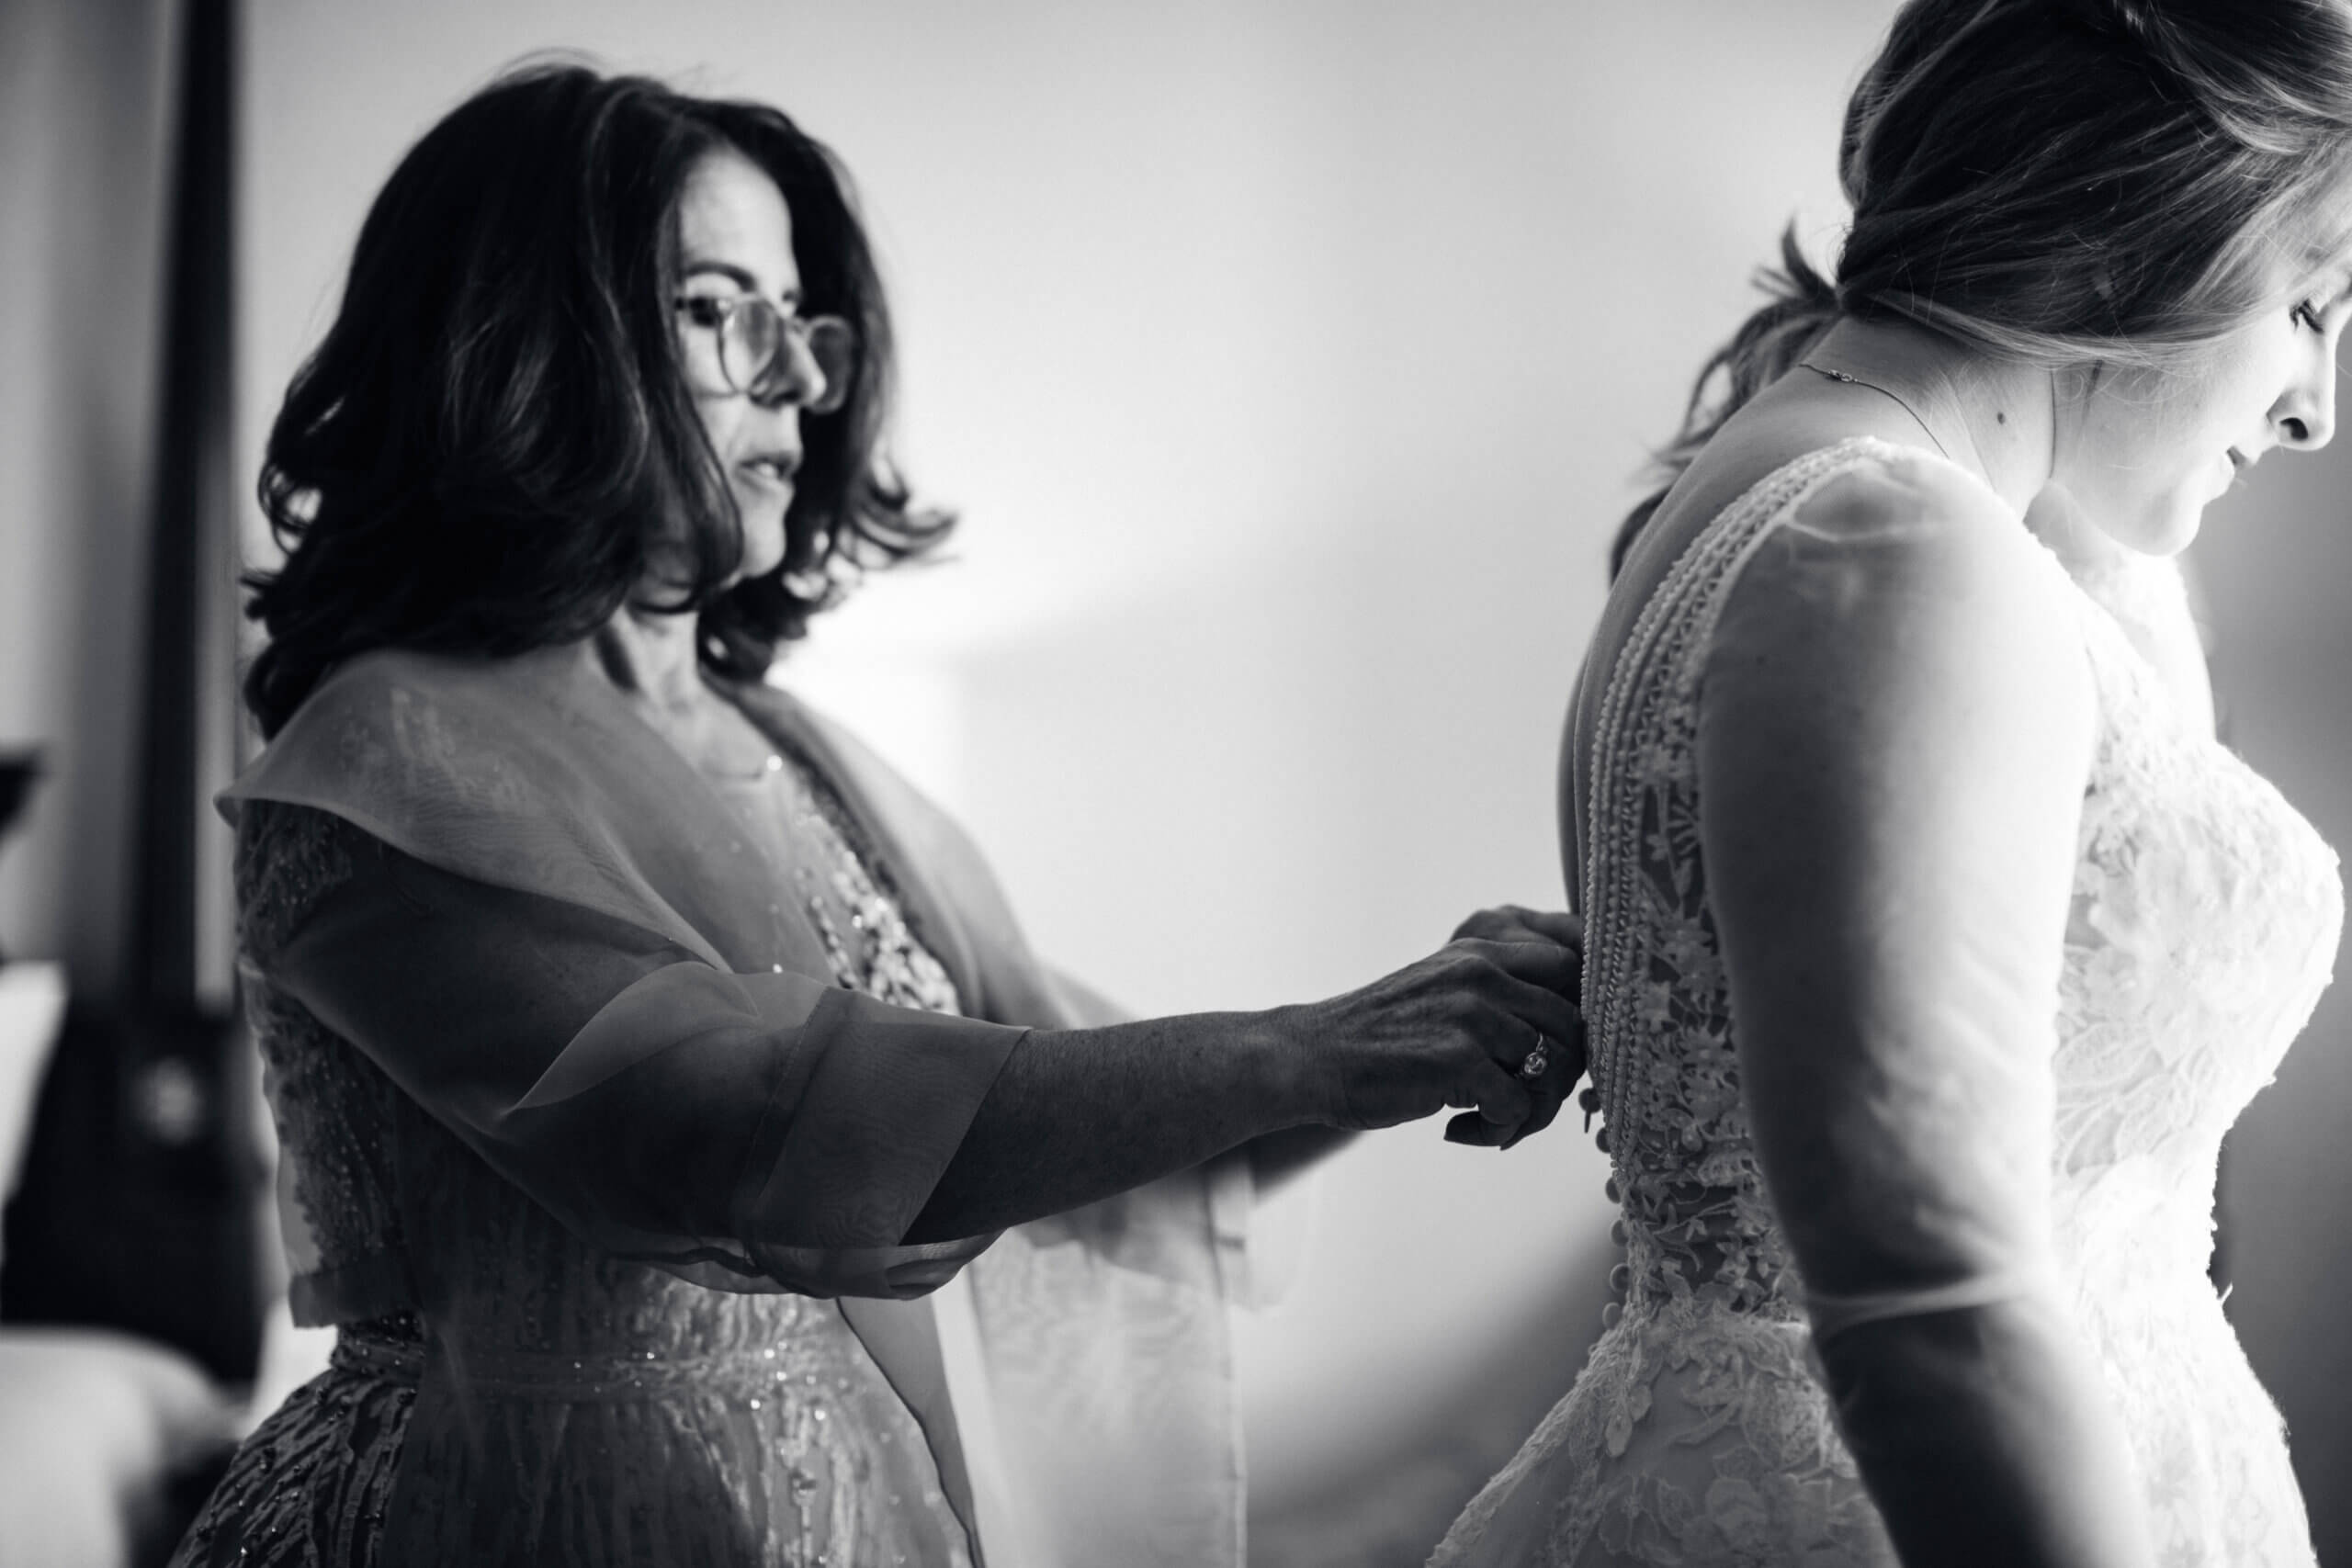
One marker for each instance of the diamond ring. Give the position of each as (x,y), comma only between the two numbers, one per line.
(1531,1067)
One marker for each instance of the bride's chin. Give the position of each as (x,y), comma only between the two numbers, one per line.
(2159,526)
(2180,528)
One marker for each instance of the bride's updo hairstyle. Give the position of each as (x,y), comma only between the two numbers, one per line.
(2063,181)
(495,442)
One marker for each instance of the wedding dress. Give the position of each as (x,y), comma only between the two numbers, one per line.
(2204,921)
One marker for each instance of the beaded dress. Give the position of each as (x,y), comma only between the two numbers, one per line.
(2204,923)
(795,1447)
(505,1389)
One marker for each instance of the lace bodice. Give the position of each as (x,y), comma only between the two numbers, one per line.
(2204,923)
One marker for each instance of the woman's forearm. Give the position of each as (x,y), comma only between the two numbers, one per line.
(1276,1159)
(1075,1115)
(1986,1436)
(1079,1114)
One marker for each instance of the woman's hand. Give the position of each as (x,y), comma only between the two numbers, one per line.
(1456,1029)
(1569,1056)
(1078,1115)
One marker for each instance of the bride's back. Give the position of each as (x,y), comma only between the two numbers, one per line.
(2002,982)
(1781,424)
(2204,917)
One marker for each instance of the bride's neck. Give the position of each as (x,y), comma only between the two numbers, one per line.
(1995,417)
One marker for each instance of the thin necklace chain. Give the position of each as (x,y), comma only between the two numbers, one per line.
(1881,391)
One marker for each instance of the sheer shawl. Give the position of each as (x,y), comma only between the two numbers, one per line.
(637,1025)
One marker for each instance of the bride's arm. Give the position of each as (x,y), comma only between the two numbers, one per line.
(1894,741)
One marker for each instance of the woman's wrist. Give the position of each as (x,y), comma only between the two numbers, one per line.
(1288,1072)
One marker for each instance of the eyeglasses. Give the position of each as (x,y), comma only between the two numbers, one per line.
(755,345)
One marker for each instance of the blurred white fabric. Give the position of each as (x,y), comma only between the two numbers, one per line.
(93,1421)
(32,1005)
(93,1424)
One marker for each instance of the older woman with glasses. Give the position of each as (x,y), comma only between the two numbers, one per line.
(646,1055)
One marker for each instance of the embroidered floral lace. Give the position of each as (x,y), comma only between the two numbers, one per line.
(2205,920)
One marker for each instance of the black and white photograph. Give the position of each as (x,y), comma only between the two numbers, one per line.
(1174,784)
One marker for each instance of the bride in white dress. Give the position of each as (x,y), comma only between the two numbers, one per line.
(1933,942)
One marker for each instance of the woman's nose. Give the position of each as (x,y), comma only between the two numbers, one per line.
(2305,417)
(794,375)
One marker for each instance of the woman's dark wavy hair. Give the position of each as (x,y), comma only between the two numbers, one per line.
(494,441)
(2062,182)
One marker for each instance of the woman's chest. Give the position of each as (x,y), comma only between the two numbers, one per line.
(828,873)
(2204,923)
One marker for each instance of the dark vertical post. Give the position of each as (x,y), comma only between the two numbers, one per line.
(137,1207)
(194,512)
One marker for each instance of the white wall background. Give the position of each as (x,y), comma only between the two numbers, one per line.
(1290,363)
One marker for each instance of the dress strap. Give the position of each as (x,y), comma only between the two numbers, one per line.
(1651,685)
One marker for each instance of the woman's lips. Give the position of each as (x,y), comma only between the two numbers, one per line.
(773,470)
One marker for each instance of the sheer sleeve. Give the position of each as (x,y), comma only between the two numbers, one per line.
(746,1131)
(1894,736)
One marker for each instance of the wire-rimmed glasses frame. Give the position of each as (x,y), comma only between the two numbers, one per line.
(755,340)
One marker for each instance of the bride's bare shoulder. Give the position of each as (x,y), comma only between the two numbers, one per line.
(1903,582)
(1911,492)
(1888,523)
(1881,540)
